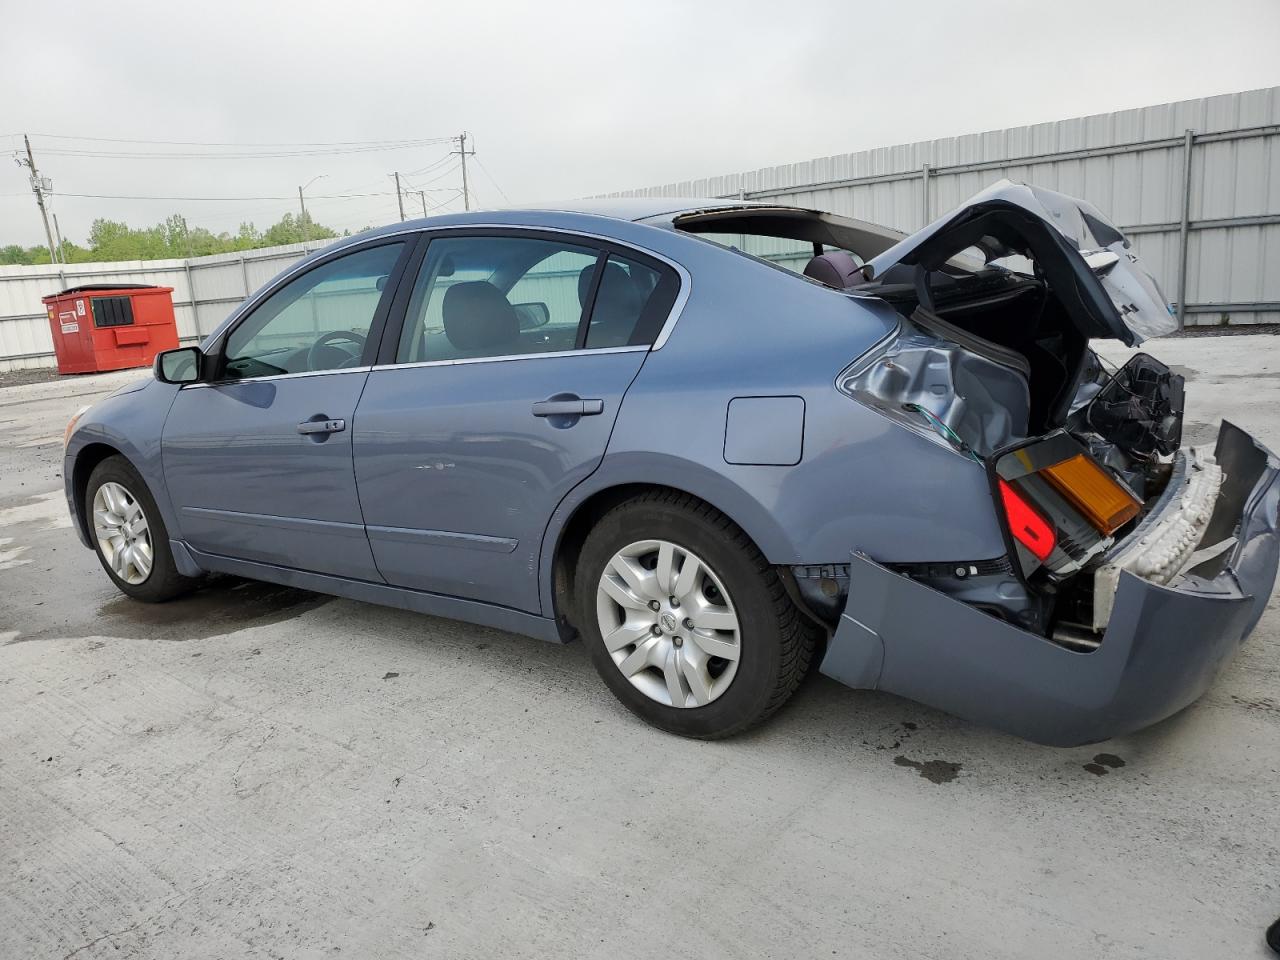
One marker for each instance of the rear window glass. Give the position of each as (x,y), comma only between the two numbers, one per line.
(792,255)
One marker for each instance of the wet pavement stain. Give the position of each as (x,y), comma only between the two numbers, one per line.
(935,771)
(222,606)
(1101,763)
(1265,704)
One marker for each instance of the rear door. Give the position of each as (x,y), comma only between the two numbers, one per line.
(496,399)
(258,461)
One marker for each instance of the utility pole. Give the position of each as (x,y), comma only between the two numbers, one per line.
(464,153)
(39,186)
(62,250)
(305,225)
(302,205)
(422,195)
(399,197)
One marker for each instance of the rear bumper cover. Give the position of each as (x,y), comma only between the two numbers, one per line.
(1162,648)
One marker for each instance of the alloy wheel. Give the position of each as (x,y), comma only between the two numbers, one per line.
(124,539)
(668,623)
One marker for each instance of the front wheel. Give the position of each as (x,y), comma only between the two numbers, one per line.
(129,535)
(686,621)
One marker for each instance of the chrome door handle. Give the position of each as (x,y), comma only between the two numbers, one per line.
(568,408)
(322,426)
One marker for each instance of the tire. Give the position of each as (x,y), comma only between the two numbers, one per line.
(161,581)
(735,584)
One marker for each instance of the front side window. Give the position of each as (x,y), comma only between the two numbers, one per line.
(318,321)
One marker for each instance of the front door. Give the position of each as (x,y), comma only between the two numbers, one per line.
(258,462)
(514,357)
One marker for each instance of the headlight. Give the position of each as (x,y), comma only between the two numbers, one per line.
(71,425)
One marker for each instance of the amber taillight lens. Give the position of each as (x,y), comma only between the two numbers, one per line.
(1103,502)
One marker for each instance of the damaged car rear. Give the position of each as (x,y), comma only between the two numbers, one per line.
(1134,567)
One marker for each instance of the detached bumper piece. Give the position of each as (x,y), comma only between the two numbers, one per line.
(1162,648)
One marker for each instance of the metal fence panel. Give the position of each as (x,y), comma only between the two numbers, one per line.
(1131,164)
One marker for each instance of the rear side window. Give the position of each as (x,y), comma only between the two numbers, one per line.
(631,304)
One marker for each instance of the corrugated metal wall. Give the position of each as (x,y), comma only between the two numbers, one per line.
(1130,164)
(205,289)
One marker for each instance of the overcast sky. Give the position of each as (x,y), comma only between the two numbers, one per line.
(563,99)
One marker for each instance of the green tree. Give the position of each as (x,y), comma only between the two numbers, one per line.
(293,229)
(174,237)
(15,254)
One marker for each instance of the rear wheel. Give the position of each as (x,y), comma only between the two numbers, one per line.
(129,535)
(686,621)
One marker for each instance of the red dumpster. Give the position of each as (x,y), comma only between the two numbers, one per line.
(112,326)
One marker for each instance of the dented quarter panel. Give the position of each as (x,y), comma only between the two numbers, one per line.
(1162,648)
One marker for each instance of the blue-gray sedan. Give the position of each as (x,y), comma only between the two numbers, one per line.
(720,442)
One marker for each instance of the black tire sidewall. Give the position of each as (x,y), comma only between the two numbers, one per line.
(757,673)
(164,581)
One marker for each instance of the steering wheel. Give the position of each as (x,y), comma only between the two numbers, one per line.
(315,356)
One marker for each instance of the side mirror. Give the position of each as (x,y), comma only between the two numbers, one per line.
(179,366)
(532,315)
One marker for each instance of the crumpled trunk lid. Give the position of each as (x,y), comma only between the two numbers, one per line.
(1118,299)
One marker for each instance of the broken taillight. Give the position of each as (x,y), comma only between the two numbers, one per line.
(1092,491)
(1025,523)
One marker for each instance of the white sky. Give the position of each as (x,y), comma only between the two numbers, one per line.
(563,99)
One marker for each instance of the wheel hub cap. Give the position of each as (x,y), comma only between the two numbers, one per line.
(668,623)
(123,535)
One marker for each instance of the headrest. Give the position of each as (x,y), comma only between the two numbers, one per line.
(615,285)
(478,317)
(835,269)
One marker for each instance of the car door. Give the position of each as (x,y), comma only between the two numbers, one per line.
(497,398)
(258,460)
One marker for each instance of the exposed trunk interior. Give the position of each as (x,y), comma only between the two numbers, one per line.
(994,361)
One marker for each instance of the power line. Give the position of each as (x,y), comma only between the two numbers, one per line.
(319,196)
(434,165)
(448,171)
(205,143)
(489,177)
(238,155)
(434,179)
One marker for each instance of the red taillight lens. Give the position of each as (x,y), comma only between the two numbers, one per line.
(1027,526)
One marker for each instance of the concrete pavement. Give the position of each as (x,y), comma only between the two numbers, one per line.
(258,771)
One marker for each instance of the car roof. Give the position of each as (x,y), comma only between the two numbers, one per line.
(639,208)
(632,209)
